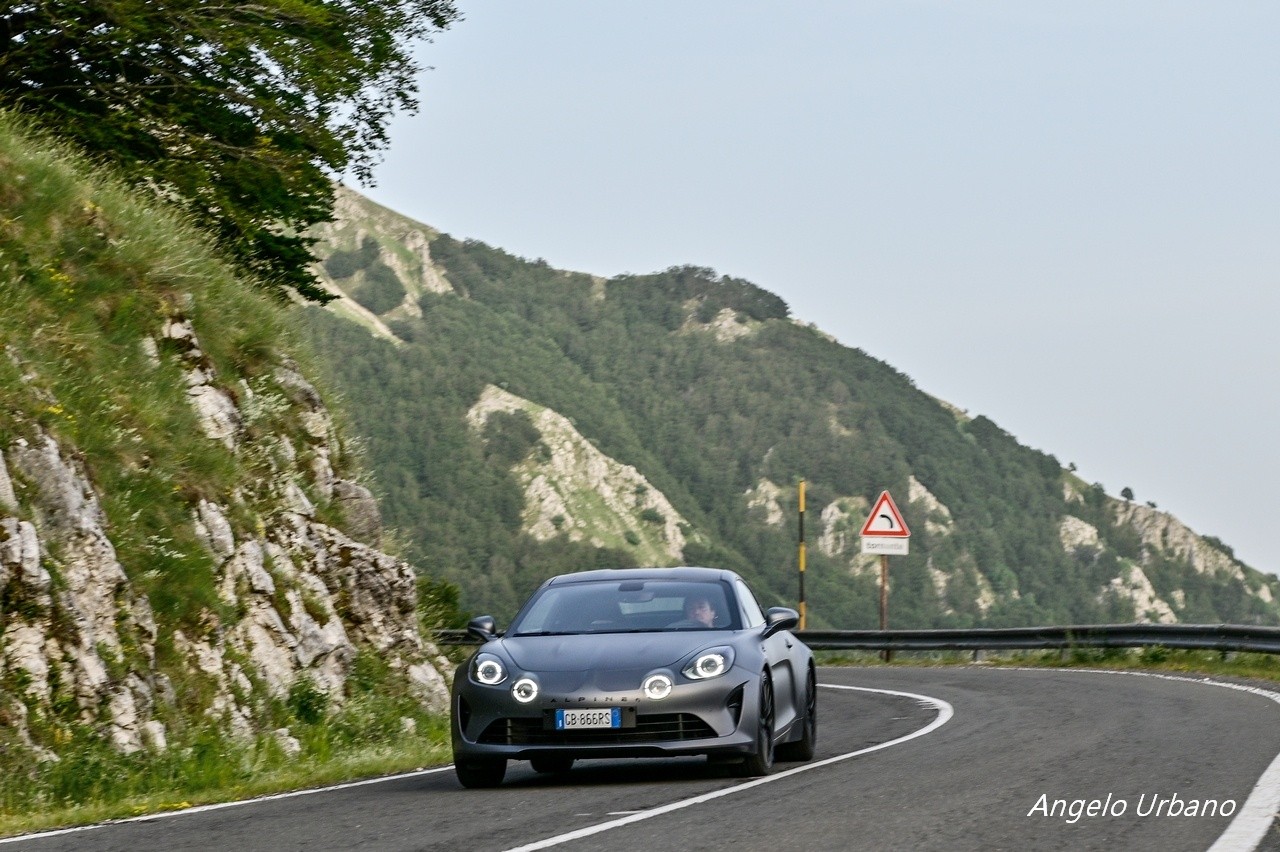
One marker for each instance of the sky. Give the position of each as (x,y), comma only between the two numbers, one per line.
(1062,215)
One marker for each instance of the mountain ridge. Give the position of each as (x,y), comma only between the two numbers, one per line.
(718,354)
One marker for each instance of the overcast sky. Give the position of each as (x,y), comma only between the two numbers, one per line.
(1062,215)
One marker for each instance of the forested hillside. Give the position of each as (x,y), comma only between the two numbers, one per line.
(705,385)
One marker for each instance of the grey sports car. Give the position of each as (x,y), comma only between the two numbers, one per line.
(643,662)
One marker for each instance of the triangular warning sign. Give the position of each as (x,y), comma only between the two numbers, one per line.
(886,520)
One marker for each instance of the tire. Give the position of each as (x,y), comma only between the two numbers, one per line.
(551,764)
(480,772)
(804,748)
(761,763)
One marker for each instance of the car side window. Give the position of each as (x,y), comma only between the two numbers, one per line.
(751,614)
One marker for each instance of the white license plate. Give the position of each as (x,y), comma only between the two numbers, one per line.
(601,717)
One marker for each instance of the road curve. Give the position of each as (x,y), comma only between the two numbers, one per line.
(973,782)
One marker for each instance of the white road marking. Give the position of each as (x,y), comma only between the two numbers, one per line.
(1255,816)
(945,712)
(23,838)
(1244,834)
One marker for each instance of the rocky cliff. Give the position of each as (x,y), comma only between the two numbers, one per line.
(304,597)
(183,543)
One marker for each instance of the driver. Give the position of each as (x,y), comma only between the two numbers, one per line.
(698,608)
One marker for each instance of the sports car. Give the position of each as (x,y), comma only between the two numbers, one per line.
(638,662)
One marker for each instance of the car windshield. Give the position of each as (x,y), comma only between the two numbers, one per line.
(630,606)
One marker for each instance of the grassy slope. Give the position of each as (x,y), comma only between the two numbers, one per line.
(87,272)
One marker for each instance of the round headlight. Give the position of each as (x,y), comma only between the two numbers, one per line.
(656,687)
(709,664)
(489,671)
(524,690)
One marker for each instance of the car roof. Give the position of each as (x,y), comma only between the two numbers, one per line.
(682,574)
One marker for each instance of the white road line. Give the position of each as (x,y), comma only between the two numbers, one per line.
(198,809)
(1254,819)
(945,712)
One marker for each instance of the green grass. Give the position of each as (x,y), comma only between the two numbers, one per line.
(219,772)
(88,271)
(380,728)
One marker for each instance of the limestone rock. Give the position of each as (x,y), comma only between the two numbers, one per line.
(575,490)
(360,510)
(302,599)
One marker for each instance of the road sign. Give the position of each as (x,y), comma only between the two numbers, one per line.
(885,519)
(886,546)
(885,532)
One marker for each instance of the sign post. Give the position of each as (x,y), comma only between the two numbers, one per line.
(801,557)
(885,533)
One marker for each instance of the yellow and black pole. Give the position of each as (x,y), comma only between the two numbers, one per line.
(803,615)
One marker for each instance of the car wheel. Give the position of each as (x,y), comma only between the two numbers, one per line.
(761,763)
(551,764)
(803,748)
(480,772)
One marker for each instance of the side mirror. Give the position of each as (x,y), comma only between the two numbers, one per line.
(778,618)
(482,627)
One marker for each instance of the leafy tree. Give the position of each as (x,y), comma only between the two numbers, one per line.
(344,264)
(240,111)
(382,289)
(509,435)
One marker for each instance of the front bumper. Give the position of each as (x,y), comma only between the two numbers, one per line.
(709,717)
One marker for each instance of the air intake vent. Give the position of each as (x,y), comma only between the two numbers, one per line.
(659,727)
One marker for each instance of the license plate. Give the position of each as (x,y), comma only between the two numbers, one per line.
(601,717)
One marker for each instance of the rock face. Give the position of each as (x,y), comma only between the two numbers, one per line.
(576,490)
(307,597)
(1160,534)
(404,247)
(1162,530)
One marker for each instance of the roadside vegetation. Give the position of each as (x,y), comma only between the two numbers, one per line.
(88,273)
(380,729)
(376,733)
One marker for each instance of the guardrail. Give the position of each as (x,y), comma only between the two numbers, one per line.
(1205,637)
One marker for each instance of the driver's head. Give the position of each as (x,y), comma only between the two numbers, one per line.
(698,608)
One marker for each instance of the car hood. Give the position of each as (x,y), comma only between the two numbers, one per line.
(599,651)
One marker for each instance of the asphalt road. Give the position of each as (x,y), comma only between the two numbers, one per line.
(1002,740)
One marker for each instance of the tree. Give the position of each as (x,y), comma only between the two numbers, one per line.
(1126,493)
(241,112)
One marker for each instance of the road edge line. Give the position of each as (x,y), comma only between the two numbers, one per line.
(1249,827)
(945,713)
(217,806)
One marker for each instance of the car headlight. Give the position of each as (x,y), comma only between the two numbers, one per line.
(488,669)
(656,686)
(710,663)
(524,690)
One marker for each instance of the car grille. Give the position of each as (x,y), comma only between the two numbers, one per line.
(658,727)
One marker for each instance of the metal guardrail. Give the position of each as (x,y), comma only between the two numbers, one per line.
(454,637)
(1205,637)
